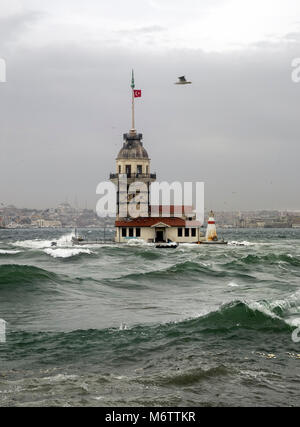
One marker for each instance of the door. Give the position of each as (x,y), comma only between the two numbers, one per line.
(159,236)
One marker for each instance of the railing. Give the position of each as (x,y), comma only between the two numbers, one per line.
(134,175)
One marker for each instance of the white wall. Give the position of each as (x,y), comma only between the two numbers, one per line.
(170,233)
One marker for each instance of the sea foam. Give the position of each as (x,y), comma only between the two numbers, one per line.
(66,252)
(65,240)
(8,252)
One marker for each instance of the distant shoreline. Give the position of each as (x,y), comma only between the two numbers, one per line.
(220,227)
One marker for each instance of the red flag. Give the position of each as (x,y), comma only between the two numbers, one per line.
(137,93)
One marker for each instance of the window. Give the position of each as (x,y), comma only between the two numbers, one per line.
(128,169)
(193,232)
(139,169)
(186,232)
(138,232)
(119,168)
(130,232)
(179,232)
(124,232)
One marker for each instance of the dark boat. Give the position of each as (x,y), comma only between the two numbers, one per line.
(165,245)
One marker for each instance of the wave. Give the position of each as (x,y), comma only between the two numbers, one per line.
(244,243)
(265,259)
(9,252)
(286,307)
(137,242)
(234,317)
(14,274)
(233,285)
(67,252)
(180,270)
(65,240)
(186,377)
(239,314)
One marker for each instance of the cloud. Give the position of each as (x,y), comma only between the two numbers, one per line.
(292,37)
(66,107)
(13,26)
(67,104)
(214,25)
(143,30)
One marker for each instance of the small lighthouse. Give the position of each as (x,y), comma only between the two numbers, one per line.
(211,231)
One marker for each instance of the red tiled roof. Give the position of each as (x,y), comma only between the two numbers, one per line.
(150,221)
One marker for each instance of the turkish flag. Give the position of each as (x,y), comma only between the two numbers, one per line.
(137,93)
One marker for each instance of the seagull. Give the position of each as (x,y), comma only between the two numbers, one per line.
(182,81)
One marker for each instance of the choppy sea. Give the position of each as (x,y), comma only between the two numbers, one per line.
(132,325)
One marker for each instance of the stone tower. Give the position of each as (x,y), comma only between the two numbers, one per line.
(132,163)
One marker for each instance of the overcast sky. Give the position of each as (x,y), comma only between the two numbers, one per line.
(66,102)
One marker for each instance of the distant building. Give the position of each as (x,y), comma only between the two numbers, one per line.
(44,223)
(295,222)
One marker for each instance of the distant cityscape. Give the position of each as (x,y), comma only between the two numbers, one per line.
(67,216)
(63,216)
(259,219)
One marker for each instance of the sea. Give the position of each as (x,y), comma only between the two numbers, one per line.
(131,325)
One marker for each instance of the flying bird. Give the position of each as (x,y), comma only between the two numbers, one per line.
(182,81)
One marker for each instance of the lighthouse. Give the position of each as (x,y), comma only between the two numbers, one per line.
(211,231)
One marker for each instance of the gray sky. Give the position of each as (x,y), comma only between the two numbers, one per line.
(66,102)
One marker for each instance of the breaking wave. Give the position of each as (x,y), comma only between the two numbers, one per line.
(233,316)
(67,252)
(288,306)
(65,240)
(9,252)
(244,243)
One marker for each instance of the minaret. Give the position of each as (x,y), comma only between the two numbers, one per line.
(133,162)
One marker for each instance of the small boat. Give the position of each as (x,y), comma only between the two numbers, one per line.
(77,239)
(213,242)
(166,245)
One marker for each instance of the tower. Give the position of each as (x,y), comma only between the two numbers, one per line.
(133,213)
(211,231)
(132,164)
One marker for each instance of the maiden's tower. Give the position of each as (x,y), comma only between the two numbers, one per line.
(150,223)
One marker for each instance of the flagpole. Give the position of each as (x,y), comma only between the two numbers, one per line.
(133,125)
(132,116)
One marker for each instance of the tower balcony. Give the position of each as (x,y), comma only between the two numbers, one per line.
(134,175)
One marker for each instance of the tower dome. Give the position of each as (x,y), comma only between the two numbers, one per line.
(133,148)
